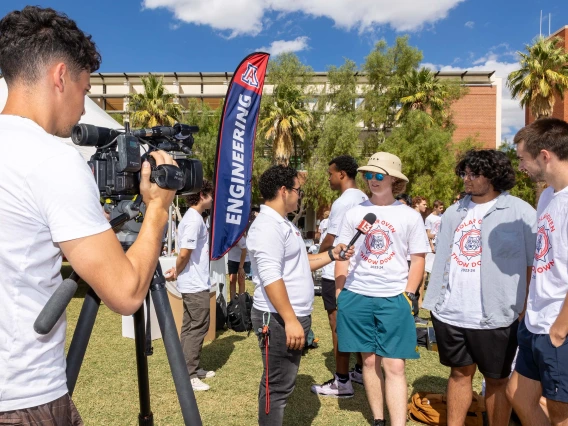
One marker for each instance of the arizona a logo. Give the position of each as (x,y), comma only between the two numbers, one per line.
(249,76)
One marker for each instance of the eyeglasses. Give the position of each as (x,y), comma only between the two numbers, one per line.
(370,175)
(470,176)
(298,191)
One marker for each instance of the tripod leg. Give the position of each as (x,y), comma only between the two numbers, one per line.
(81,337)
(182,382)
(145,418)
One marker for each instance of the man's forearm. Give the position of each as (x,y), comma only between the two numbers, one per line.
(415,273)
(181,263)
(144,253)
(318,260)
(243,258)
(278,296)
(327,243)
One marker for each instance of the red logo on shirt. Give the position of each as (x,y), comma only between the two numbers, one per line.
(378,241)
(542,244)
(469,243)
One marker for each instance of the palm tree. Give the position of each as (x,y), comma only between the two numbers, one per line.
(543,74)
(154,107)
(285,119)
(421,90)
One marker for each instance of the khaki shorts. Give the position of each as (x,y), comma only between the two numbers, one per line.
(61,412)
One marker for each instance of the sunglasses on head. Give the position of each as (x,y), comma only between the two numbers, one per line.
(371,175)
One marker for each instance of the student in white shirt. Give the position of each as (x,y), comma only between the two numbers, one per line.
(376,287)
(342,173)
(193,282)
(50,206)
(542,360)
(239,266)
(284,290)
(322,227)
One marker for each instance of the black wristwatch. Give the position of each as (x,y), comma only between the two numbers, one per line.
(411,296)
(330,254)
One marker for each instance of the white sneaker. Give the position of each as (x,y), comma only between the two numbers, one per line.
(198,385)
(204,374)
(334,388)
(356,377)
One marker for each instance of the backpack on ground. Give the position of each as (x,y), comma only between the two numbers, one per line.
(431,409)
(239,313)
(221,311)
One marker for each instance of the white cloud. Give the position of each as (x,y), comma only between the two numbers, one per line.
(282,46)
(512,115)
(241,17)
(470,24)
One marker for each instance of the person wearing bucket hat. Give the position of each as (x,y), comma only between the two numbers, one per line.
(375,288)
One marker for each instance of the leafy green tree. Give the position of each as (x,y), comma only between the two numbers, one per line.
(525,187)
(543,74)
(386,67)
(154,107)
(205,147)
(340,136)
(421,90)
(285,117)
(428,156)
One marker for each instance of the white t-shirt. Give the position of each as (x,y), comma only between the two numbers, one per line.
(549,280)
(323,227)
(462,300)
(193,235)
(432,223)
(236,250)
(47,195)
(379,267)
(350,198)
(277,251)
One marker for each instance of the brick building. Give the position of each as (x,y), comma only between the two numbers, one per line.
(560,109)
(477,114)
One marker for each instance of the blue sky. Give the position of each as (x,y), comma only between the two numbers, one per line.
(214,35)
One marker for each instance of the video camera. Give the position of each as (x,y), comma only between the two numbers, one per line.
(117,162)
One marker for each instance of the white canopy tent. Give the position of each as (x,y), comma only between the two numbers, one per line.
(93,115)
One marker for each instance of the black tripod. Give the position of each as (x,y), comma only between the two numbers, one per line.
(61,298)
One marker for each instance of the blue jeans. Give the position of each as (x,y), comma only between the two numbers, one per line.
(283,365)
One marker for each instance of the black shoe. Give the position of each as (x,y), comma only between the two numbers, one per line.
(418,320)
(380,422)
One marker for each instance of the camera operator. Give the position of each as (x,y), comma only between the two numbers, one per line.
(50,205)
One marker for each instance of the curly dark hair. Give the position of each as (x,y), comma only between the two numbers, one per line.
(550,134)
(206,189)
(405,198)
(275,178)
(34,37)
(347,164)
(490,163)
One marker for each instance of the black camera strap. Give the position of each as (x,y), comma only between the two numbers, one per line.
(149,350)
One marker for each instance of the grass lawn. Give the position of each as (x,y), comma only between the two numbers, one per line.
(106,392)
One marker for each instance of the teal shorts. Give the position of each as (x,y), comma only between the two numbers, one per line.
(381,325)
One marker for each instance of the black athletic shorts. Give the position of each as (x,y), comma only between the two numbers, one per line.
(492,350)
(328,294)
(234,267)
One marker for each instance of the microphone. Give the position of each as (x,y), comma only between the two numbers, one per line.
(55,307)
(364,227)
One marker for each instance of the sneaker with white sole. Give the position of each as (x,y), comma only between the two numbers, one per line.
(204,374)
(198,385)
(356,377)
(334,388)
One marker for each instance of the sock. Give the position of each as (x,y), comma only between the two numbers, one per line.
(343,378)
(359,368)
(379,422)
